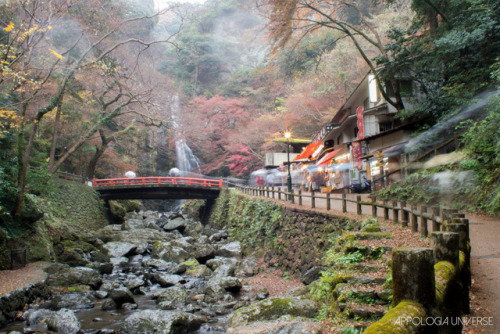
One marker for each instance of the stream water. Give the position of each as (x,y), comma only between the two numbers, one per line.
(147,271)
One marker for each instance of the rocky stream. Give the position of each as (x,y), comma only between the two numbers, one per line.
(159,273)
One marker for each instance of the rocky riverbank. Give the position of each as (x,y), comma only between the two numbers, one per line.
(161,273)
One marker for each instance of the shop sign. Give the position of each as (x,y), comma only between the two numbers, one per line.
(361,126)
(356,155)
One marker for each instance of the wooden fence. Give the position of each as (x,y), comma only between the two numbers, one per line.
(409,215)
(72,177)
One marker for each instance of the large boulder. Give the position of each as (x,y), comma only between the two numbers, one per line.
(133,224)
(64,275)
(273,309)
(159,321)
(168,252)
(36,317)
(161,265)
(120,248)
(74,301)
(63,321)
(171,298)
(121,296)
(178,224)
(203,252)
(232,249)
(110,285)
(167,280)
(134,283)
(231,284)
(311,275)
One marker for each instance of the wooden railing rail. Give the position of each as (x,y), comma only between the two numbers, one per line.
(71,177)
(416,216)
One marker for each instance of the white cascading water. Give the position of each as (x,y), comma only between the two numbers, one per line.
(187,161)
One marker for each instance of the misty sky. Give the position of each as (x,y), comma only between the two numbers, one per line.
(160,4)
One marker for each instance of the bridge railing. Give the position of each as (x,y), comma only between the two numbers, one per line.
(142,181)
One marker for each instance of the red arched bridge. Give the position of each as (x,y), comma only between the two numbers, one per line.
(158,188)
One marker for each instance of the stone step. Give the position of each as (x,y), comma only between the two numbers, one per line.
(360,267)
(364,236)
(368,251)
(362,312)
(366,280)
(344,293)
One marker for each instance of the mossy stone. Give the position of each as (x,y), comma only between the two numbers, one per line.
(399,320)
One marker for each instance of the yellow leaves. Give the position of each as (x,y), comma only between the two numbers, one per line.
(56,54)
(9,120)
(9,27)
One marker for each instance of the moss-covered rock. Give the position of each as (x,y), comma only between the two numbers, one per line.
(399,320)
(273,309)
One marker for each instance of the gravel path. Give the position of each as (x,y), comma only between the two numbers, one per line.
(11,280)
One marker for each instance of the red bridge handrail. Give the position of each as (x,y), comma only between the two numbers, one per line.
(151,180)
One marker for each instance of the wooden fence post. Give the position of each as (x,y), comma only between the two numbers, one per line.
(395,213)
(300,197)
(462,229)
(414,218)
(344,202)
(358,204)
(328,204)
(313,200)
(404,214)
(279,193)
(374,206)
(386,211)
(423,221)
(413,276)
(446,247)
(292,198)
(435,213)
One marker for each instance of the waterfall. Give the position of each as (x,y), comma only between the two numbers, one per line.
(187,161)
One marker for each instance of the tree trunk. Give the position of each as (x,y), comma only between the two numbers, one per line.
(57,121)
(89,174)
(23,170)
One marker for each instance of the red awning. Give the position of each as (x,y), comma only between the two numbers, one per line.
(309,150)
(327,157)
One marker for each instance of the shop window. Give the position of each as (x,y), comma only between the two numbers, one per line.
(384,126)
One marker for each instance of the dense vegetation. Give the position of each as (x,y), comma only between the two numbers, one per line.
(92,91)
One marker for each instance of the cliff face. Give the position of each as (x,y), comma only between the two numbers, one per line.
(68,211)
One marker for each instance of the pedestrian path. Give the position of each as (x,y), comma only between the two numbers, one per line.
(11,280)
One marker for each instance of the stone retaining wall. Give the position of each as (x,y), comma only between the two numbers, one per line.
(294,238)
(13,302)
